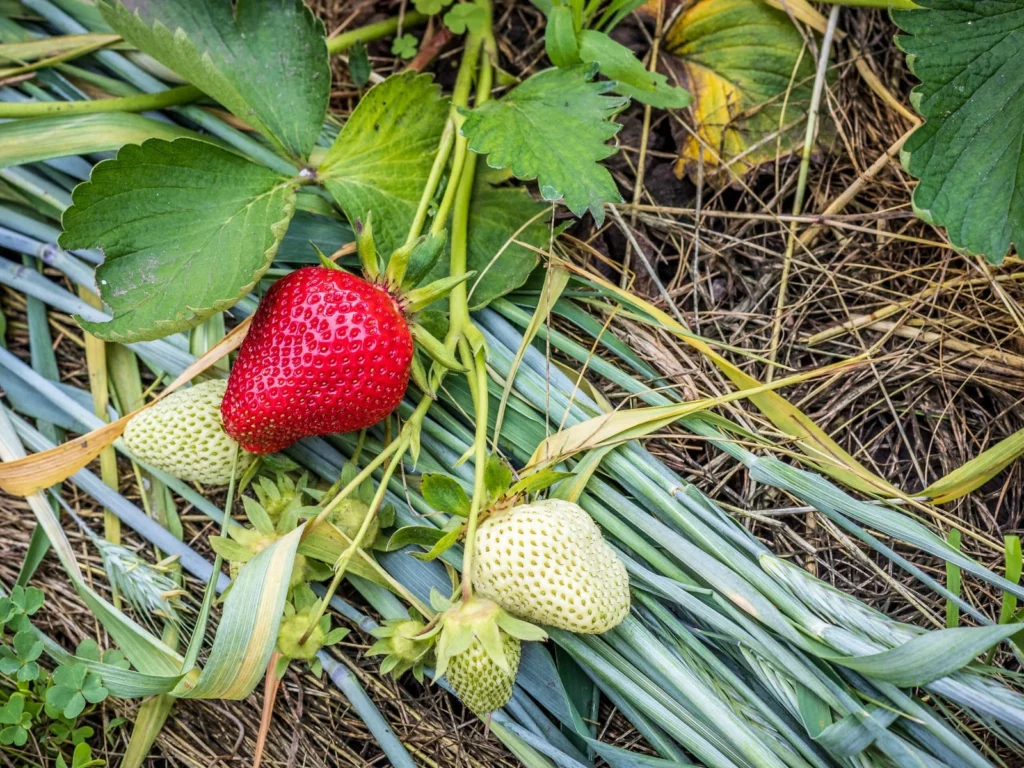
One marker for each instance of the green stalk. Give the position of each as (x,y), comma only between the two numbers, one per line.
(342,564)
(141,103)
(196,643)
(460,98)
(96,361)
(478,386)
(374,31)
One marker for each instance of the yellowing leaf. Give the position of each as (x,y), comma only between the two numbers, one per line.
(978,471)
(749,74)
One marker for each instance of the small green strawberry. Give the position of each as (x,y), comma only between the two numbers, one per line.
(183,436)
(478,650)
(348,515)
(243,544)
(402,643)
(548,563)
(297,614)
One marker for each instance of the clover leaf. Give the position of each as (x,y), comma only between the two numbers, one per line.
(73,687)
(17,719)
(19,659)
(430,7)
(466,16)
(405,46)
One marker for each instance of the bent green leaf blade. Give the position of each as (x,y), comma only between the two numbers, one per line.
(44,138)
(968,154)
(182,245)
(553,127)
(930,656)
(381,159)
(265,60)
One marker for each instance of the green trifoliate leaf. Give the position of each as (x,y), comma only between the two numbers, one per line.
(430,7)
(444,494)
(968,154)
(466,17)
(181,244)
(265,60)
(382,157)
(618,63)
(553,128)
(405,46)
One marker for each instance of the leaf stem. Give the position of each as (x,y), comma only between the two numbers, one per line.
(140,103)
(342,564)
(478,388)
(375,31)
(460,99)
(474,355)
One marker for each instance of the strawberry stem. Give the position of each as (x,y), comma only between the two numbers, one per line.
(341,565)
(473,356)
(478,388)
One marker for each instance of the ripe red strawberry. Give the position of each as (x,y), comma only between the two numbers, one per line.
(327,352)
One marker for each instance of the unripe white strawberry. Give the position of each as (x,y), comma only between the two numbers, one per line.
(478,650)
(548,563)
(478,681)
(183,435)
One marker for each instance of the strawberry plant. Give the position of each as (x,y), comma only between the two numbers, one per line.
(390,426)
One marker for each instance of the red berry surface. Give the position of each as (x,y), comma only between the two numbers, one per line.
(327,352)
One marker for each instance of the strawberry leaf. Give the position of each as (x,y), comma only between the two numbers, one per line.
(382,157)
(444,494)
(968,156)
(507,227)
(553,127)
(182,245)
(266,60)
(618,63)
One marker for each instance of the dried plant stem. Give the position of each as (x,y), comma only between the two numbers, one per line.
(801,187)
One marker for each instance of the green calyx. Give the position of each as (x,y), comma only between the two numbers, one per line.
(477,619)
(348,515)
(404,645)
(272,514)
(289,636)
(297,614)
